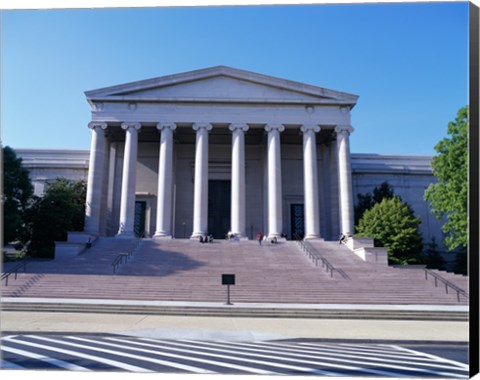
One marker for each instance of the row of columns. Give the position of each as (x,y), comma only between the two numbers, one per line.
(200,207)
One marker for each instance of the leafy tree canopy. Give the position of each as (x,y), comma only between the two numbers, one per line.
(392,224)
(61,209)
(367,201)
(17,191)
(448,196)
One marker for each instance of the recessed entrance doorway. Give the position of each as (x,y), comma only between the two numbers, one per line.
(139,221)
(219,208)
(297,220)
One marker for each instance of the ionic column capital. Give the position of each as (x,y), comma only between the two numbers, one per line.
(344,129)
(238,126)
(171,126)
(136,126)
(97,124)
(274,127)
(310,127)
(199,126)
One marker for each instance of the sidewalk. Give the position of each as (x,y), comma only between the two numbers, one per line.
(240,328)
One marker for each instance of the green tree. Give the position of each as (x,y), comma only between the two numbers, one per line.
(367,201)
(432,257)
(448,197)
(61,209)
(392,225)
(17,192)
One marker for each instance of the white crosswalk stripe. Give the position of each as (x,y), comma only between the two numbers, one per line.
(412,358)
(184,357)
(135,354)
(124,354)
(113,363)
(236,357)
(46,359)
(277,356)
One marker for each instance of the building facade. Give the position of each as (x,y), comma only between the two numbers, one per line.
(222,149)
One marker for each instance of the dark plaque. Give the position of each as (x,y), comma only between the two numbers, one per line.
(228,279)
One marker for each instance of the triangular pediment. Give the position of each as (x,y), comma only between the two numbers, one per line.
(221,84)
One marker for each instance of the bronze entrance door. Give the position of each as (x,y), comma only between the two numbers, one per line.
(218,208)
(297,220)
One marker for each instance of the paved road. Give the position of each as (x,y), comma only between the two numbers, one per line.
(105,352)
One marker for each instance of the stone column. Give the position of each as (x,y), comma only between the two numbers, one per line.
(96,178)
(310,181)
(127,202)
(345,178)
(200,197)
(237,223)
(165,181)
(275,225)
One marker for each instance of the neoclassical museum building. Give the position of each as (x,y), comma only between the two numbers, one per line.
(222,149)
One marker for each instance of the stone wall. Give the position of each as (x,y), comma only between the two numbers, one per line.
(408,175)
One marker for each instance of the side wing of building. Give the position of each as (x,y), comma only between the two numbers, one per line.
(408,175)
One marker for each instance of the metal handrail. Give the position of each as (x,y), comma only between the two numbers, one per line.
(447,283)
(119,258)
(314,255)
(15,270)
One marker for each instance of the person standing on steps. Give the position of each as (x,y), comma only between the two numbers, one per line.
(259,238)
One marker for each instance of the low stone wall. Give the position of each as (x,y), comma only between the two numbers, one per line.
(354,243)
(75,244)
(364,248)
(64,249)
(376,255)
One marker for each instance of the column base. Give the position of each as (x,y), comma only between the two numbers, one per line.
(197,235)
(162,235)
(311,237)
(125,234)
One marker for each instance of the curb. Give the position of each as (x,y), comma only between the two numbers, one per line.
(250,311)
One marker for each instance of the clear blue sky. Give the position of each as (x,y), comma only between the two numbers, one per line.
(408,62)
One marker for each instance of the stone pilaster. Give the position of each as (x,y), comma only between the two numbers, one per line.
(275,218)
(200,197)
(238,180)
(96,178)
(165,181)
(345,178)
(310,181)
(127,202)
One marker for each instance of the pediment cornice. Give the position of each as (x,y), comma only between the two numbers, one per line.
(160,89)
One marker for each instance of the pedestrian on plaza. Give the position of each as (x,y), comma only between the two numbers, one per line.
(259,238)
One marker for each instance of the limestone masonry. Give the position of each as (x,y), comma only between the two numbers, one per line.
(222,149)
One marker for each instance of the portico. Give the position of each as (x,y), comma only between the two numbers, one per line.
(278,145)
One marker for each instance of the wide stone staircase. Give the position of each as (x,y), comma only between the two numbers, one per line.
(185,270)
